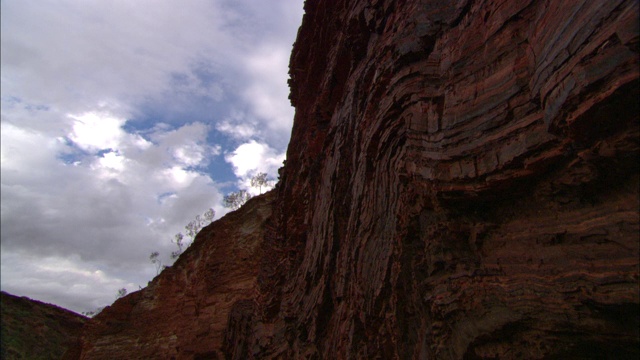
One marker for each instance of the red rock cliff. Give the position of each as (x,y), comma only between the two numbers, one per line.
(462,182)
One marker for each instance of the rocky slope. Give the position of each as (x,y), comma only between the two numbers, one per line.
(462,182)
(182,313)
(35,330)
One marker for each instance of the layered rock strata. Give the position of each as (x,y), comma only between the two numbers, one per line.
(462,182)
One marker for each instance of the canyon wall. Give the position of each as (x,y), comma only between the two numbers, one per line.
(462,182)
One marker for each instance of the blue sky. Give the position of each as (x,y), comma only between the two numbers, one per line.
(123,120)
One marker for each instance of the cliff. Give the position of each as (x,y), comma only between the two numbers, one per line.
(461,182)
(35,330)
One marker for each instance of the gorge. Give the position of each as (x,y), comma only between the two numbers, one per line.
(461,183)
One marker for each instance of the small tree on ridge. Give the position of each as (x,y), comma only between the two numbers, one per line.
(259,181)
(157,262)
(235,200)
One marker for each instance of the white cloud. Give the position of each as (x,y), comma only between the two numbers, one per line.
(241,131)
(268,88)
(94,131)
(111,164)
(179,177)
(189,155)
(254,157)
(19,145)
(84,288)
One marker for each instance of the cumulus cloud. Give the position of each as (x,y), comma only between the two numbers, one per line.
(94,132)
(237,131)
(253,157)
(102,208)
(266,91)
(238,126)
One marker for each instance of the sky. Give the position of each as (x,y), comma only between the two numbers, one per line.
(120,122)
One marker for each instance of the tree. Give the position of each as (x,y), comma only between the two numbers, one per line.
(157,262)
(192,229)
(209,215)
(121,293)
(92,313)
(259,181)
(235,200)
(178,241)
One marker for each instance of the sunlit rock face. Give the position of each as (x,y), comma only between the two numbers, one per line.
(461,183)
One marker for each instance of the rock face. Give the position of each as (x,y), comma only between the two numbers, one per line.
(35,330)
(461,183)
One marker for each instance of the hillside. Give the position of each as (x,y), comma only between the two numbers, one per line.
(35,330)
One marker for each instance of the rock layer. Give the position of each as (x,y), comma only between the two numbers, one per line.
(462,182)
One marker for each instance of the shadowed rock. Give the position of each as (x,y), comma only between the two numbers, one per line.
(35,330)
